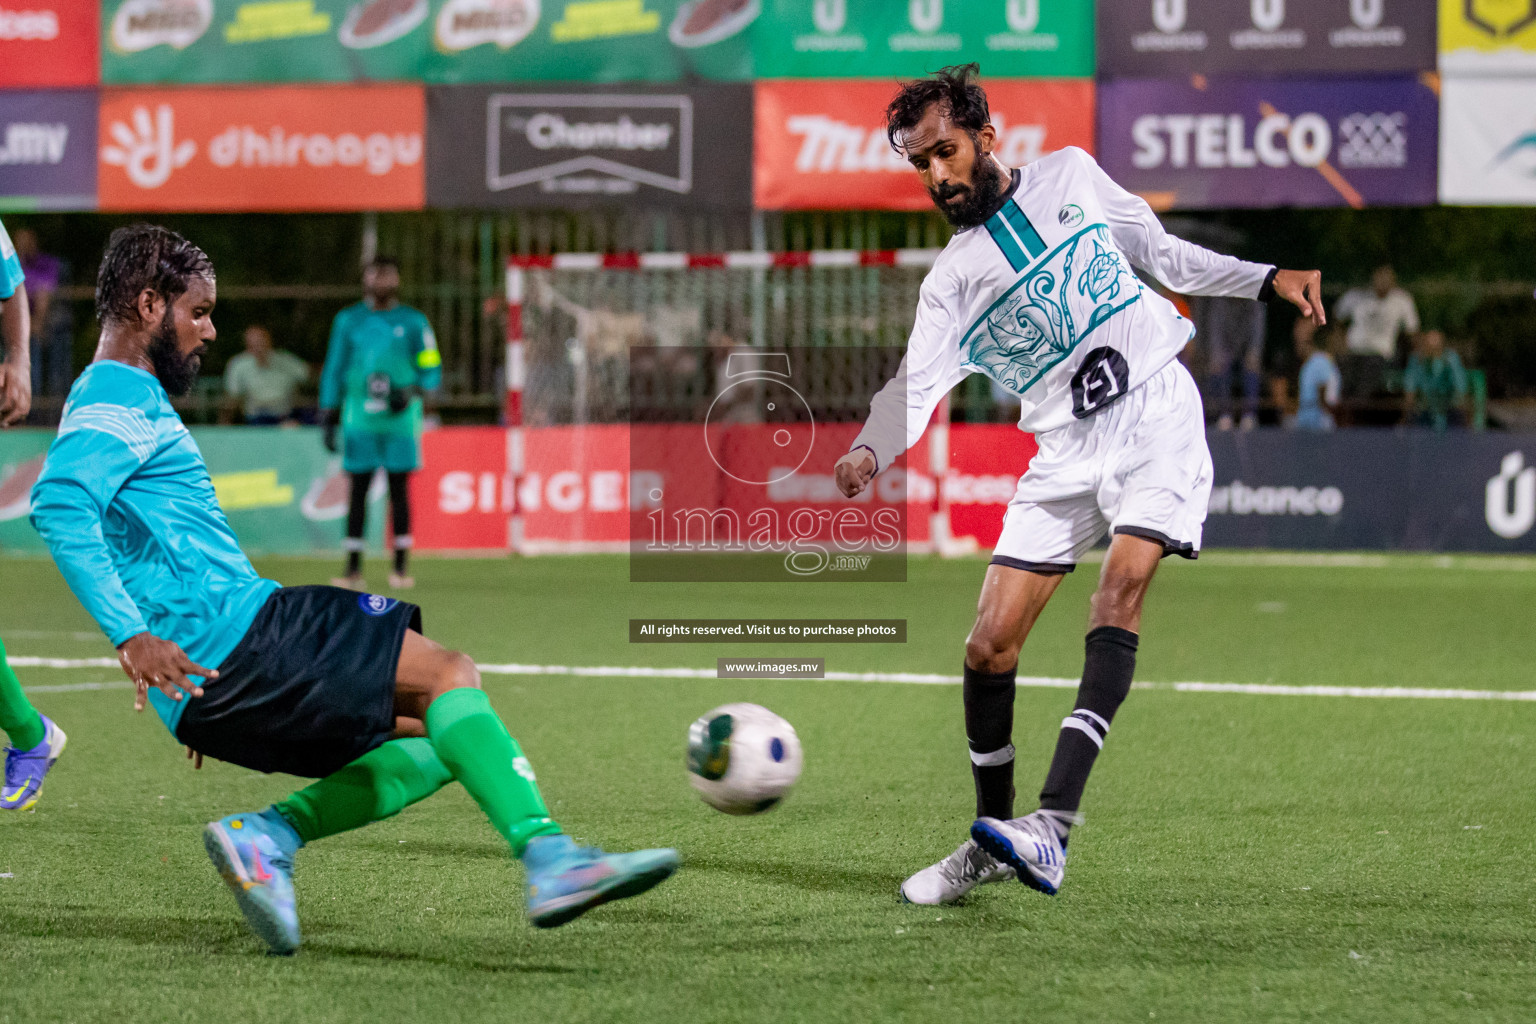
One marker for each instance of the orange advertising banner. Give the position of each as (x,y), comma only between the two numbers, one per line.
(821,145)
(268,149)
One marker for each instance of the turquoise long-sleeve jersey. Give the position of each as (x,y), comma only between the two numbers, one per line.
(127,508)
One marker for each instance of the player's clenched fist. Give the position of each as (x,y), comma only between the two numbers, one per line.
(854,471)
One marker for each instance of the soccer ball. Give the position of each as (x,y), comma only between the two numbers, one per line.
(742,758)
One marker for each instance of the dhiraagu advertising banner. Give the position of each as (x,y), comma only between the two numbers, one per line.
(439,41)
(283,493)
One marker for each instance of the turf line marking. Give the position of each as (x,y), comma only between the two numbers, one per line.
(910,678)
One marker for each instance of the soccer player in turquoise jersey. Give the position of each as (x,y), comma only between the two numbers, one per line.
(311,681)
(35,741)
(381,359)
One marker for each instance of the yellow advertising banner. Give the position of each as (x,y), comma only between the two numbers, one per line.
(1488,37)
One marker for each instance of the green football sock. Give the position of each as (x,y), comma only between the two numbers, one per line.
(18,718)
(378,785)
(487,761)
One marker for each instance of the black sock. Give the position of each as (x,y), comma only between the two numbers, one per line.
(1107,670)
(357,518)
(400,517)
(401,554)
(988,731)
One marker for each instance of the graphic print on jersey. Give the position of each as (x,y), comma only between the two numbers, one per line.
(1053,306)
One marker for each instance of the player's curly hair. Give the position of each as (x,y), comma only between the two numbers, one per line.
(144,256)
(955,87)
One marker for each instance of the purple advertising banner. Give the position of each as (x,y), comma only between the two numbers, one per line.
(48,150)
(1201,143)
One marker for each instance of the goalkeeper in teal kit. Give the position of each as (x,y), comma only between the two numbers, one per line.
(381,360)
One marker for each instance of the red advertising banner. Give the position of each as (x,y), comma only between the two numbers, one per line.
(822,144)
(985,463)
(48,43)
(270,149)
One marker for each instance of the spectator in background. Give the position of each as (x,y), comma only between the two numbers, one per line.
(264,381)
(1232,331)
(52,336)
(1376,316)
(1317,392)
(1435,386)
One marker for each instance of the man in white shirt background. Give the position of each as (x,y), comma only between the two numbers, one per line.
(1376,316)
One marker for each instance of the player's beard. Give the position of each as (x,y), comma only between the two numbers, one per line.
(176,373)
(981,199)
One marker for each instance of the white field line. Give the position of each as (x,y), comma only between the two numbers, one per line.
(918,678)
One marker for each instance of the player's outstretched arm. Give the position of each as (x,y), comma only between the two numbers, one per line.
(1304,290)
(16,373)
(854,471)
(148,661)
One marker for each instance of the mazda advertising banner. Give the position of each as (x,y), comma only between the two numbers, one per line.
(1145,38)
(278,149)
(1488,141)
(1214,143)
(586,145)
(1372,490)
(863,39)
(48,44)
(48,150)
(165,41)
(822,145)
(1488,37)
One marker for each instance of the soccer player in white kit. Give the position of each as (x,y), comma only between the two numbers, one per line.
(1035,290)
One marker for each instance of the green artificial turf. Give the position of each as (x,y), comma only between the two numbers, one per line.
(1246,858)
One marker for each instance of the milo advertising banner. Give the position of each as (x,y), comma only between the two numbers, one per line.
(282,491)
(190,41)
(889,38)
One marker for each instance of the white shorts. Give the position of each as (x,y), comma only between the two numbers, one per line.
(1139,467)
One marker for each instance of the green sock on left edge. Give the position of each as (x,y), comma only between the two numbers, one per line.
(18,718)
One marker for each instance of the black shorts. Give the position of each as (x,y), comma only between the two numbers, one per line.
(311,686)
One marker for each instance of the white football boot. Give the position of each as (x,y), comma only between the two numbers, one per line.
(1032,845)
(954,876)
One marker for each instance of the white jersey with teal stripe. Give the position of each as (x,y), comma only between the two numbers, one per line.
(10,267)
(1041,298)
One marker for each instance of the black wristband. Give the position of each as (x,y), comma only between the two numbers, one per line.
(1267,289)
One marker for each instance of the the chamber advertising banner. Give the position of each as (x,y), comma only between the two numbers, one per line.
(583,145)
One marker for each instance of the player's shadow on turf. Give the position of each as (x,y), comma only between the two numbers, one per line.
(200,934)
(820,877)
(507,966)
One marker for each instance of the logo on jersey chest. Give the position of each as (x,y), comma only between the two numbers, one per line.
(1066,296)
(1070,216)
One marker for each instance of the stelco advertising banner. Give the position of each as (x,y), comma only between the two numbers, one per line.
(278,149)
(586,145)
(1210,144)
(822,145)
(48,150)
(1143,38)
(47,43)
(1488,141)
(200,41)
(1488,37)
(862,39)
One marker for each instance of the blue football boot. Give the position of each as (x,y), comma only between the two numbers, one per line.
(254,855)
(566,880)
(25,769)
